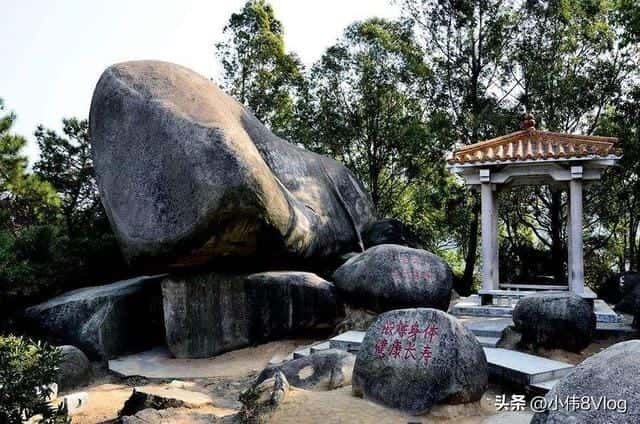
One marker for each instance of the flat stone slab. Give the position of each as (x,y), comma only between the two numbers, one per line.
(486,326)
(545,386)
(349,341)
(488,341)
(523,368)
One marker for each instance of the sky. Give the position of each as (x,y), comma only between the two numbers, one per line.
(52,52)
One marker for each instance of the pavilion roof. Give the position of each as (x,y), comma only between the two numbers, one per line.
(531,144)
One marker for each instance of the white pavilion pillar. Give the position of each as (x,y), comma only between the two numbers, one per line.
(576,264)
(489,239)
(494,233)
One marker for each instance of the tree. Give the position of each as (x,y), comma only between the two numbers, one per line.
(65,162)
(24,197)
(569,63)
(368,92)
(257,69)
(466,43)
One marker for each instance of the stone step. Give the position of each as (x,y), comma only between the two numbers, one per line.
(486,326)
(523,368)
(349,341)
(545,386)
(488,341)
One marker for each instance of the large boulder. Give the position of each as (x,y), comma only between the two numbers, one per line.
(389,277)
(413,359)
(211,313)
(325,370)
(630,289)
(205,179)
(283,303)
(602,389)
(555,321)
(105,321)
(74,370)
(390,231)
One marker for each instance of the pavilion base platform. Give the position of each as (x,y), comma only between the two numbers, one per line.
(502,306)
(517,291)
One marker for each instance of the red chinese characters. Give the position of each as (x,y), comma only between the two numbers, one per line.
(405,341)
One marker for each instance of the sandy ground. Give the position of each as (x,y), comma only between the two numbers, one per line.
(238,369)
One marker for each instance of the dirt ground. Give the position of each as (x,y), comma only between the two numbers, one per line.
(107,392)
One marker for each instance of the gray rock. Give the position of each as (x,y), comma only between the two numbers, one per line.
(205,179)
(555,321)
(260,401)
(390,231)
(75,369)
(325,370)
(610,375)
(510,338)
(284,303)
(389,276)
(413,359)
(105,321)
(163,397)
(211,313)
(171,416)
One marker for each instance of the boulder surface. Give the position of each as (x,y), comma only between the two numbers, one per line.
(390,231)
(390,276)
(105,321)
(607,380)
(210,313)
(324,370)
(413,359)
(555,321)
(205,179)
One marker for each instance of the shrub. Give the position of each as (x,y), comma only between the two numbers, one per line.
(27,369)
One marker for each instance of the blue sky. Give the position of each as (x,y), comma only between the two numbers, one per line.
(53,52)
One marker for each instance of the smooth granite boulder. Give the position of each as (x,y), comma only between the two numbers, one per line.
(413,359)
(602,389)
(187,175)
(390,276)
(105,321)
(390,231)
(555,321)
(325,370)
(210,313)
(74,370)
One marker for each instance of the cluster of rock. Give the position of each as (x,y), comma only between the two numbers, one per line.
(194,185)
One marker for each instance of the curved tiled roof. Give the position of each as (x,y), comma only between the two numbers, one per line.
(532,144)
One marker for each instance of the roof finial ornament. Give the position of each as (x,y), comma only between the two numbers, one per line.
(529,121)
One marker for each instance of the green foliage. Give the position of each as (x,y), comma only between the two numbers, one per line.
(257,69)
(366,96)
(54,235)
(26,371)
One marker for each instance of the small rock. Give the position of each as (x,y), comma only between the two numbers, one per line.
(390,231)
(388,276)
(610,376)
(163,397)
(324,370)
(510,338)
(261,400)
(414,359)
(75,369)
(555,321)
